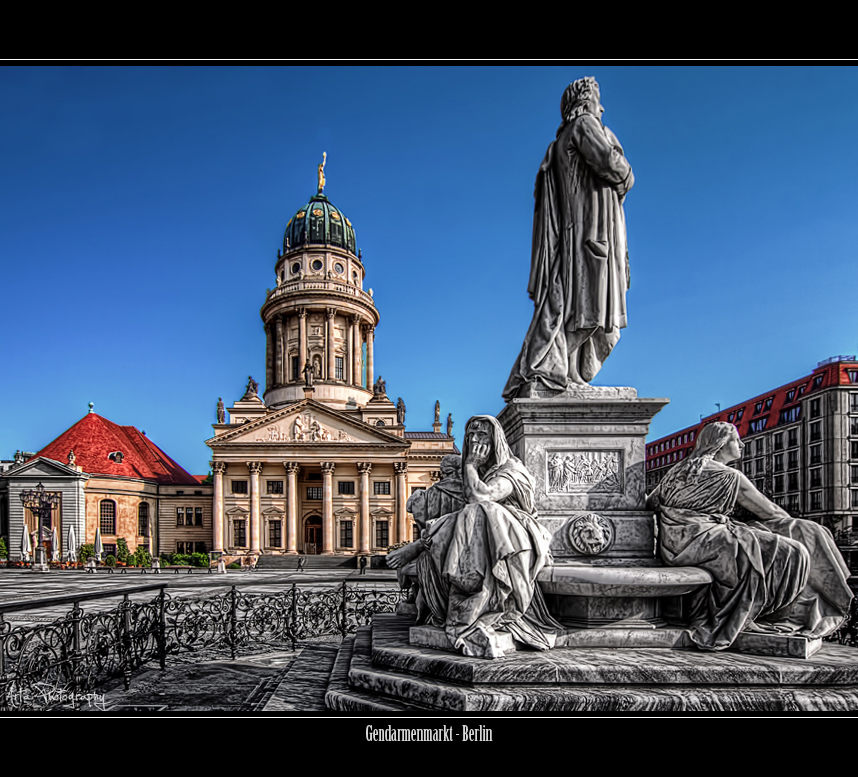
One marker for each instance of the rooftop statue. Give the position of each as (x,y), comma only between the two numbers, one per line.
(579,269)
(477,566)
(252,388)
(778,574)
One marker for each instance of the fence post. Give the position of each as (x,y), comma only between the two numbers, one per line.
(293,626)
(76,658)
(344,625)
(125,618)
(4,680)
(233,620)
(162,629)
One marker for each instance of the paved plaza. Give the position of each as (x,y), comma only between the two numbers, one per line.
(199,681)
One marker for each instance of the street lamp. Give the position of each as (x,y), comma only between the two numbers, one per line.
(41,504)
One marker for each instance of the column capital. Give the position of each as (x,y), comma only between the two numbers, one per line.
(328,467)
(255,467)
(218,467)
(368,329)
(292,466)
(302,312)
(435,475)
(330,312)
(355,319)
(400,467)
(364,467)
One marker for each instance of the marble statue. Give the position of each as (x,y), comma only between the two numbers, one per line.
(778,574)
(308,374)
(449,424)
(400,411)
(437,412)
(579,269)
(379,388)
(221,413)
(477,572)
(71,458)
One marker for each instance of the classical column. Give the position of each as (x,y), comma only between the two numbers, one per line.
(218,469)
(400,467)
(279,371)
(364,467)
(302,339)
(269,357)
(370,336)
(255,468)
(356,339)
(331,312)
(291,505)
(327,508)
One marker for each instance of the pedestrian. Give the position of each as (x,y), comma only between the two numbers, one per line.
(301,563)
(362,563)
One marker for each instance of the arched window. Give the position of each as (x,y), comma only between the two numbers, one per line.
(107,517)
(143,520)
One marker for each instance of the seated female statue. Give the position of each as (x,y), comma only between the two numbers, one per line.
(478,568)
(784,575)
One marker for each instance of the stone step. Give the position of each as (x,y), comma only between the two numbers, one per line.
(384,668)
(304,686)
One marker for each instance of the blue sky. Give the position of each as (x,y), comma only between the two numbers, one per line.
(141,209)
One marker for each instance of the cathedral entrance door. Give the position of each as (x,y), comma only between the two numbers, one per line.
(312,535)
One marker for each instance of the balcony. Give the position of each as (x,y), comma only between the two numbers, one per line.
(327,286)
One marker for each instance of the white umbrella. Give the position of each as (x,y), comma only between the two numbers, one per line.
(71,552)
(26,547)
(99,547)
(55,545)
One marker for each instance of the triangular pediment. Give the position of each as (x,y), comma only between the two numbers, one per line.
(43,468)
(308,422)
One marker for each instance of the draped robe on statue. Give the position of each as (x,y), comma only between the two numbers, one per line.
(478,573)
(579,263)
(783,575)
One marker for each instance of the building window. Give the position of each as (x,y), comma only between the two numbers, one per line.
(739,414)
(790,395)
(854,493)
(815,431)
(779,462)
(758,425)
(143,520)
(296,373)
(769,403)
(854,446)
(239,486)
(758,447)
(107,517)
(853,376)
(189,516)
(198,516)
(779,441)
(790,415)
(275,486)
(109,549)
(275,534)
(854,475)
(817,381)
(346,487)
(853,403)
(779,484)
(760,464)
(792,503)
(748,467)
(792,483)
(757,408)
(853,425)
(792,438)
(180,516)
(381,534)
(792,461)
(381,488)
(338,367)
(346,534)
(239,533)
(816,500)
(815,454)
(314,492)
(816,478)
(731,416)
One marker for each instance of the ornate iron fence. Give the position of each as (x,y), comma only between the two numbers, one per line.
(59,664)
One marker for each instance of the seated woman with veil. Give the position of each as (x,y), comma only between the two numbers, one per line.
(478,566)
(778,574)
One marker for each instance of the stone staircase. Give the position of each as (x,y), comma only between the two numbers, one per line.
(290,563)
(377,670)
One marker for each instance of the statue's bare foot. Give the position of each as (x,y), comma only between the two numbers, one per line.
(402,556)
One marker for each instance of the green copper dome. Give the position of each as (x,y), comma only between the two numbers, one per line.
(319,222)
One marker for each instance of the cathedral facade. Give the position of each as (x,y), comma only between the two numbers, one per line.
(321,463)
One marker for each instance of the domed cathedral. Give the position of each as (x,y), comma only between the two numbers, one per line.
(322,463)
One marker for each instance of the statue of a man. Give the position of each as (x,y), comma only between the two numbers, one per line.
(221,413)
(449,424)
(579,270)
(437,412)
(308,374)
(400,412)
(252,388)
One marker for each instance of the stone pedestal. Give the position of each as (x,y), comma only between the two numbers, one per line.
(40,560)
(586,449)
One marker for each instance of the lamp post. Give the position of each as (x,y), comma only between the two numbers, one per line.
(41,504)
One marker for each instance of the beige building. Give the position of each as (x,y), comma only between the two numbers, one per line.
(322,463)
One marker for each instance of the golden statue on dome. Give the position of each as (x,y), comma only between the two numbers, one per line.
(322,173)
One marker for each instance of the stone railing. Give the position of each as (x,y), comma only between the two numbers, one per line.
(339,287)
(57,665)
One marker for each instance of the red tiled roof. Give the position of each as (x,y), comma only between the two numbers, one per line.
(93,438)
(426,436)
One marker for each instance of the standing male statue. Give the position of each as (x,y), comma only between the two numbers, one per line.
(579,270)
(221,411)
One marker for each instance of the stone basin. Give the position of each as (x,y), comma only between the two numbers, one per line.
(584,580)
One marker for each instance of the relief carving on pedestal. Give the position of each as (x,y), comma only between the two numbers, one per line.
(580,472)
